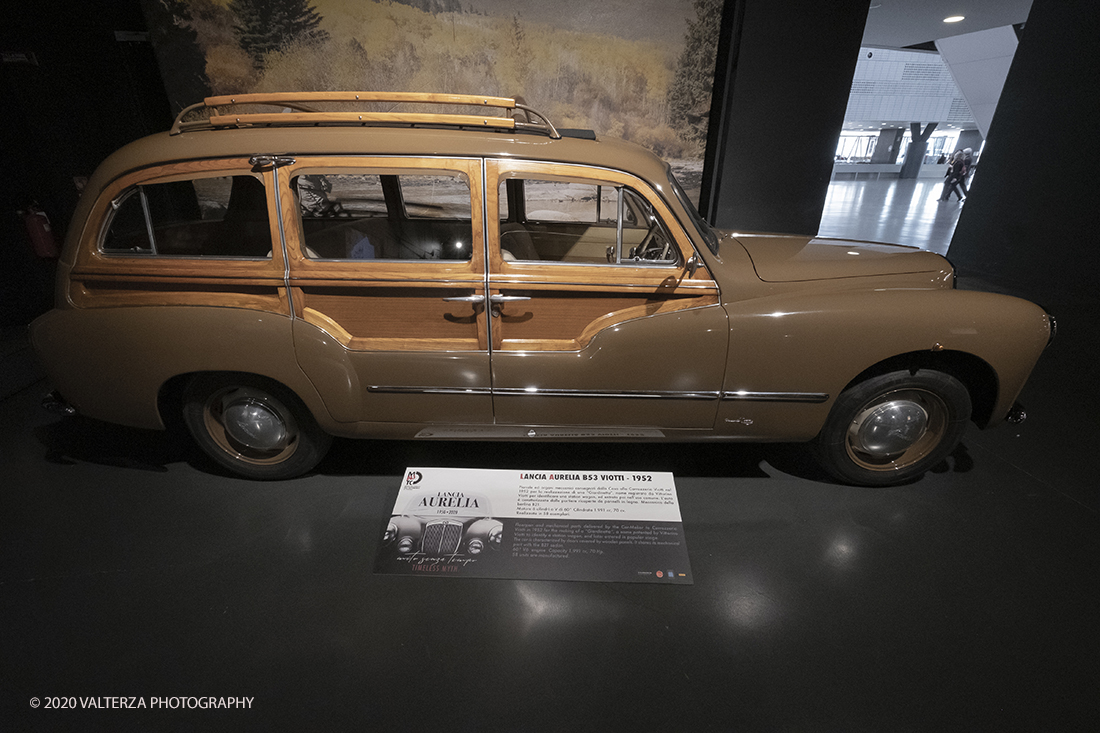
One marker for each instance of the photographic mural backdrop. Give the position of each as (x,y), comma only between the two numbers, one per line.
(641,70)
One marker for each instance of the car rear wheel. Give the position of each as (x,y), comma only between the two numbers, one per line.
(252,426)
(892,428)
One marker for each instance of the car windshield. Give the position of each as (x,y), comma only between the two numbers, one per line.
(700,223)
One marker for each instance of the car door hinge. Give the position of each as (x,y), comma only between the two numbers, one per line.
(261,162)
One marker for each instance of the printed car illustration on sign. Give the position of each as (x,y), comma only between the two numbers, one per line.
(447,523)
(280,270)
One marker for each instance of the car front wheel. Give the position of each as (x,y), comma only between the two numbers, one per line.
(253,427)
(892,428)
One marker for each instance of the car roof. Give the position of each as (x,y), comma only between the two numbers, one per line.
(418,141)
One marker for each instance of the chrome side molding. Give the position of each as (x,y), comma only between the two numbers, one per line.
(740,395)
(539,392)
(744,395)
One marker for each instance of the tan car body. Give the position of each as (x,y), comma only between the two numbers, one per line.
(756,343)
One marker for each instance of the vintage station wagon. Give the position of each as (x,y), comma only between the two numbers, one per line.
(284,268)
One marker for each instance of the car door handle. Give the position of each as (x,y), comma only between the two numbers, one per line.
(498,300)
(465,299)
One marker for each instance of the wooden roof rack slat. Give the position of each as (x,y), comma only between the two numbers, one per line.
(396,97)
(306,114)
(322,118)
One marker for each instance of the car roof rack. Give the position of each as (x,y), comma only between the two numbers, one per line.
(298,110)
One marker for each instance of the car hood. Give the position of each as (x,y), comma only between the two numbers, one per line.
(797,259)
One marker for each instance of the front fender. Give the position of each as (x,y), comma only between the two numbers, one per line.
(817,343)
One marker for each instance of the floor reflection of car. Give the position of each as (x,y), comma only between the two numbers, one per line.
(486,276)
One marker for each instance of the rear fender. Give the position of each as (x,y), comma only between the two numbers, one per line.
(111,363)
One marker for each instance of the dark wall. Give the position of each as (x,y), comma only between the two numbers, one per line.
(1032,222)
(782,83)
(80,94)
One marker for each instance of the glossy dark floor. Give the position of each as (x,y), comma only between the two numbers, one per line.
(966,601)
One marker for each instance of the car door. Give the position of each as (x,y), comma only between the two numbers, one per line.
(597,317)
(387,278)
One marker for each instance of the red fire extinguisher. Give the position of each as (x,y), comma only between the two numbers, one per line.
(41,234)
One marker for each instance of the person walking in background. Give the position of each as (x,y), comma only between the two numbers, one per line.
(968,168)
(956,172)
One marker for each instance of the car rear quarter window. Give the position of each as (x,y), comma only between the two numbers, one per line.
(214,216)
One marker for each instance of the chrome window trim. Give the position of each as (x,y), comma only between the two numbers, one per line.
(612,286)
(109,220)
(647,264)
(486,271)
(192,258)
(148,220)
(282,233)
(620,205)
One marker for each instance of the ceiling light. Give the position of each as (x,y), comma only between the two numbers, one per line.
(954,18)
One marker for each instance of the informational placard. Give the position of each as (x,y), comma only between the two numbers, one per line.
(536,525)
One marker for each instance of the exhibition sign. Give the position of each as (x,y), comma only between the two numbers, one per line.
(537,525)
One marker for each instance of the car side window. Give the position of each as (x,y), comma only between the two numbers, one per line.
(385,216)
(580,222)
(223,216)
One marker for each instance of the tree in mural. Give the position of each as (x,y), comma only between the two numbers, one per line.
(265,26)
(175,41)
(434,7)
(689,95)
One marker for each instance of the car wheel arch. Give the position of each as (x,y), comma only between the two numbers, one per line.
(170,396)
(976,374)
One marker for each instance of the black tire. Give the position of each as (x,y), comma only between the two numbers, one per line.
(892,428)
(274,435)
